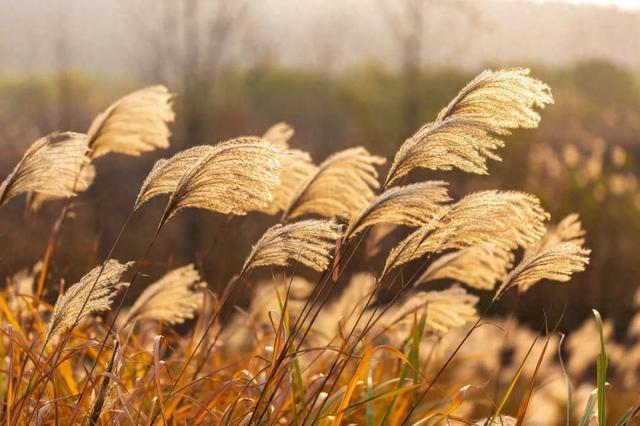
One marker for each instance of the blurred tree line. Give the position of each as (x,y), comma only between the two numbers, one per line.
(582,159)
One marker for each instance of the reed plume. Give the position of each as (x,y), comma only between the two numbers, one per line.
(133,124)
(479,266)
(556,256)
(309,242)
(97,288)
(507,219)
(232,177)
(443,310)
(342,185)
(462,136)
(83,182)
(49,167)
(298,167)
(173,299)
(410,205)
(279,134)
(567,230)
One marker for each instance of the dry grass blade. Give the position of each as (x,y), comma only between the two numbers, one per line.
(507,219)
(174,298)
(49,167)
(297,170)
(309,242)
(444,310)
(342,185)
(479,266)
(462,136)
(98,294)
(411,205)
(233,177)
(133,124)
(279,134)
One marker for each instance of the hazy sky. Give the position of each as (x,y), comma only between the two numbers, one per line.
(114,37)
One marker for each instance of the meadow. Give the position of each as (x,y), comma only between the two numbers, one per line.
(370,298)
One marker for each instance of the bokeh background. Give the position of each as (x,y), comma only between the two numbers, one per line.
(343,73)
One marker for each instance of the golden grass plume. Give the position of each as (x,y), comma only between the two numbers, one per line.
(462,136)
(133,124)
(173,299)
(343,184)
(556,256)
(479,266)
(279,134)
(232,177)
(309,242)
(98,295)
(444,310)
(410,205)
(507,219)
(49,167)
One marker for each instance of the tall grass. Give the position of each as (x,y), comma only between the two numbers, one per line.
(403,345)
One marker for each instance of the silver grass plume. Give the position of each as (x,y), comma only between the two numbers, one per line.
(567,230)
(298,167)
(343,184)
(555,257)
(507,219)
(462,136)
(97,294)
(479,266)
(84,181)
(309,242)
(410,205)
(232,177)
(174,298)
(49,167)
(133,124)
(279,134)
(444,310)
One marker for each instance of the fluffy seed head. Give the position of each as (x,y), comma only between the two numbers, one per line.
(462,136)
(479,266)
(507,219)
(279,134)
(309,242)
(133,124)
(556,256)
(342,185)
(97,294)
(233,177)
(444,310)
(174,298)
(49,167)
(410,205)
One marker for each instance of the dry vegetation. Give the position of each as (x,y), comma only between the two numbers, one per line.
(387,347)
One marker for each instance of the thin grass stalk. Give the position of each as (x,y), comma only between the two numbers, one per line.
(311,301)
(97,408)
(117,312)
(84,304)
